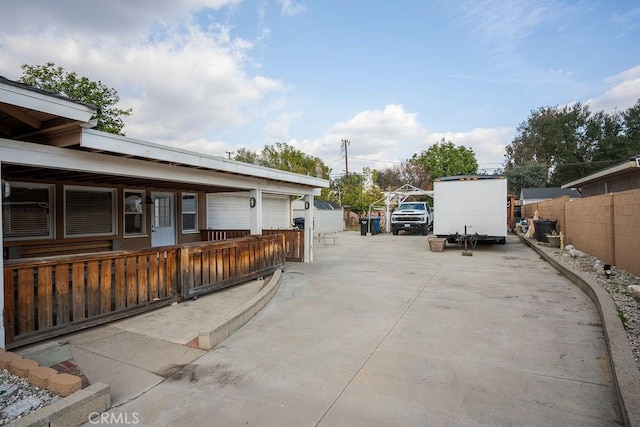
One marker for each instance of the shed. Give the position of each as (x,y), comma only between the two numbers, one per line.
(328,217)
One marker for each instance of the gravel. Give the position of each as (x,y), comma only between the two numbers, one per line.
(18,397)
(617,286)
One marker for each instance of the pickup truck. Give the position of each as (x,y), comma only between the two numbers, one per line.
(412,216)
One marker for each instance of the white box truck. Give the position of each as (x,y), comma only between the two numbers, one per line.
(470,208)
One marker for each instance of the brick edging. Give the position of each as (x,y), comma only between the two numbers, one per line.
(626,375)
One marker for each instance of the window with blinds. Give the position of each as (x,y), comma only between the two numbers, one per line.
(28,211)
(189,212)
(89,212)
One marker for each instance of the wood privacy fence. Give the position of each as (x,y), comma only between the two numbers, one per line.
(605,226)
(53,296)
(293,240)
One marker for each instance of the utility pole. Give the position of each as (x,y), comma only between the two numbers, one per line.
(229,153)
(345,144)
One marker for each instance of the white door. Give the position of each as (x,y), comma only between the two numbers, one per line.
(163,220)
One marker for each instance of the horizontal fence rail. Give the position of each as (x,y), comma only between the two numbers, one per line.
(52,296)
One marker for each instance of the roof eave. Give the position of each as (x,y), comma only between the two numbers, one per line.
(601,174)
(26,97)
(118,144)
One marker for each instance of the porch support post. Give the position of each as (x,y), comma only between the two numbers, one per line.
(308,228)
(255,211)
(2,328)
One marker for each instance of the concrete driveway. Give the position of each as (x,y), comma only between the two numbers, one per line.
(379,331)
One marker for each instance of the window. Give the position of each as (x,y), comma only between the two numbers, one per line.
(89,211)
(189,212)
(133,212)
(28,212)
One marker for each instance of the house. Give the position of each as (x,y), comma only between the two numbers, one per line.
(534,195)
(69,189)
(621,177)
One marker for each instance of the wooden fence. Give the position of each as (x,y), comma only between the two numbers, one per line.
(294,240)
(53,296)
(606,226)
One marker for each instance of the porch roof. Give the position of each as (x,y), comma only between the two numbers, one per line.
(38,124)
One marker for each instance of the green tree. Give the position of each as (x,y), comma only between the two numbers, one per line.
(247,156)
(357,191)
(54,79)
(446,159)
(284,157)
(530,175)
(571,142)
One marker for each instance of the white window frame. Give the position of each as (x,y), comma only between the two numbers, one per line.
(182,213)
(142,214)
(114,222)
(52,209)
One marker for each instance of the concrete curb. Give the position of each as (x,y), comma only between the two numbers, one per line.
(209,338)
(626,375)
(73,410)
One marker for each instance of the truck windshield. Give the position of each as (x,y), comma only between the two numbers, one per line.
(418,206)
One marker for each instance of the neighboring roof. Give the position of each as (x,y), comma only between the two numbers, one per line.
(548,193)
(325,205)
(622,168)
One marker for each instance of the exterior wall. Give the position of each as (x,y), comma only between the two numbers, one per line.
(117,240)
(612,185)
(231,211)
(605,226)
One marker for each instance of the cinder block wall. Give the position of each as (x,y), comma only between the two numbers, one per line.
(605,226)
(589,226)
(626,226)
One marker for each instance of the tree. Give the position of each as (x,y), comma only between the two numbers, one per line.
(571,142)
(407,172)
(358,191)
(530,175)
(54,79)
(283,156)
(446,159)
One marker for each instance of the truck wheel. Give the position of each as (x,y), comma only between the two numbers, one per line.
(503,240)
(395,232)
(425,230)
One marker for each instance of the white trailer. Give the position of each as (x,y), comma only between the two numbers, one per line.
(470,208)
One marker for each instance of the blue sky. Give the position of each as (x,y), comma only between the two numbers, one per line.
(392,77)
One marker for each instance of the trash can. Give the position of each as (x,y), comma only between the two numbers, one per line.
(375,225)
(544,227)
(364,226)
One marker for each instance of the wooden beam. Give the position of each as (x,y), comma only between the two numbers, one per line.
(21,115)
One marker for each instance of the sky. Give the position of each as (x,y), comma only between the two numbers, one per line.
(392,78)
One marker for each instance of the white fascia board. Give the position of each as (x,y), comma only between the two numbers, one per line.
(98,140)
(603,173)
(33,100)
(38,155)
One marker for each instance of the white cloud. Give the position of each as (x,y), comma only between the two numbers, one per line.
(291,7)
(381,138)
(623,92)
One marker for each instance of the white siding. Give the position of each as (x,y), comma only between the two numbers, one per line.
(324,220)
(230,211)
